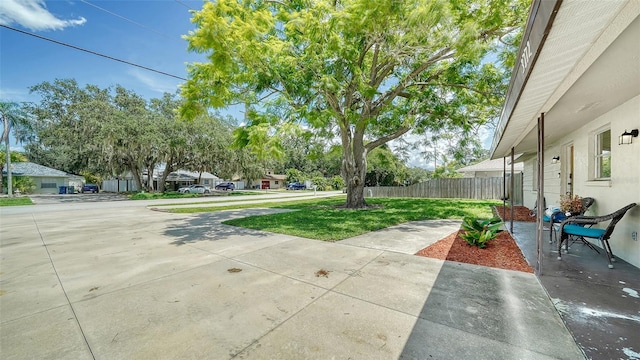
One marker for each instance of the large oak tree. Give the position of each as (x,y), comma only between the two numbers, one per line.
(364,71)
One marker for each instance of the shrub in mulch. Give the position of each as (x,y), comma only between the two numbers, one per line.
(501,252)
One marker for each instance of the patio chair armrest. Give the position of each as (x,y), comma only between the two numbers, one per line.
(581,220)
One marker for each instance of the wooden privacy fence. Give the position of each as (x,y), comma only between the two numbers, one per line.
(462,188)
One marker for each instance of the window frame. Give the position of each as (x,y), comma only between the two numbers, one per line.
(599,154)
(48,183)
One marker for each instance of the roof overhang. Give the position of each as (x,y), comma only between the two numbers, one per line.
(578,60)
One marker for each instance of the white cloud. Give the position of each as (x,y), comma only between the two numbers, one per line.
(33,15)
(155,83)
(17,95)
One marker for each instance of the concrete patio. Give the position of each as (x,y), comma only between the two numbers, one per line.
(127,282)
(600,306)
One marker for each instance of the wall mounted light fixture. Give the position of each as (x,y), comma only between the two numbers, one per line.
(555,159)
(627,137)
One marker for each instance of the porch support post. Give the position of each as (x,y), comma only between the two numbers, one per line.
(504,186)
(539,223)
(512,189)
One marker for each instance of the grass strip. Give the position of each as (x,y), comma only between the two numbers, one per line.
(165,195)
(291,204)
(16,201)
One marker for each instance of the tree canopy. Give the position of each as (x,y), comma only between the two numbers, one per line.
(111,131)
(363,71)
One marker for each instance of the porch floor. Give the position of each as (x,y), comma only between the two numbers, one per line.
(600,306)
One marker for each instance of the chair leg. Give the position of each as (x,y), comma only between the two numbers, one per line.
(608,250)
(609,259)
(590,245)
(560,248)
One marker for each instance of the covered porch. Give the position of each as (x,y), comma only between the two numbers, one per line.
(600,306)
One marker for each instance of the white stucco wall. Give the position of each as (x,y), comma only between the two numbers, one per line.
(622,189)
(39,180)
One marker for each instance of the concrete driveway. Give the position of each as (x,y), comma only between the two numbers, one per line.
(130,283)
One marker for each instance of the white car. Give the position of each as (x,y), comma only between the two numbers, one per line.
(194,189)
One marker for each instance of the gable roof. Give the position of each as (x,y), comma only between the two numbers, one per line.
(492,165)
(274,177)
(184,175)
(32,169)
(195,175)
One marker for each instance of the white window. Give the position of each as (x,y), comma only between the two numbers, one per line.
(48,184)
(602,155)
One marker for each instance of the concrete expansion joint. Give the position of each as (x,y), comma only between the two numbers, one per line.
(64,291)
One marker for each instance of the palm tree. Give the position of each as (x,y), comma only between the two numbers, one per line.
(13,117)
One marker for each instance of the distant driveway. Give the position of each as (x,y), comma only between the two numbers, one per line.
(41,199)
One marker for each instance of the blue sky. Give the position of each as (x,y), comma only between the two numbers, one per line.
(144,32)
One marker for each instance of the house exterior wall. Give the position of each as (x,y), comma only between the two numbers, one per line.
(623,187)
(39,181)
(273,184)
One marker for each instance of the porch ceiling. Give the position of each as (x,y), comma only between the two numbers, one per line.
(587,66)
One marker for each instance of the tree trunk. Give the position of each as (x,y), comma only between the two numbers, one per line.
(136,176)
(8,150)
(354,167)
(150,187)
(163,180)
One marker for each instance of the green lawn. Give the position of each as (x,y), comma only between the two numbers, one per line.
(16,201)
(321,219)
(158,195)
(280,204)
(177,195)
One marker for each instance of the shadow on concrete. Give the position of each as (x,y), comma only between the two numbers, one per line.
(208,226)
(485,313)
(600,306)
(424,225)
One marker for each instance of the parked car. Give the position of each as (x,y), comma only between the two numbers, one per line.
(226,186)
(194,189)
(92,188)
(296,186)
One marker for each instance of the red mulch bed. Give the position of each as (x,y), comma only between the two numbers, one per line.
(501,252)
(520,213)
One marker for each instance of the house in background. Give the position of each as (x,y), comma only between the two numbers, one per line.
(45,179)
(270,181)
(490,168)
(180,178)
(175,180)
(578,71)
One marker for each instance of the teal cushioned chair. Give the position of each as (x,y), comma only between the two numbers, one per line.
(575,227)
